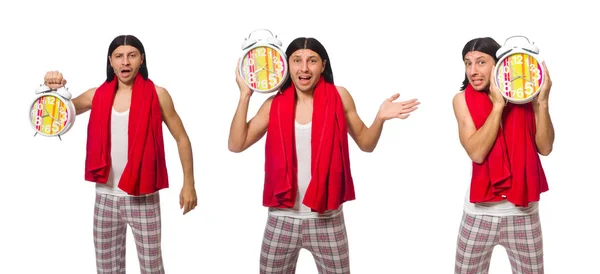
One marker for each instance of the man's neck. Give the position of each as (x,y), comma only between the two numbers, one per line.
(304,97)
(123,87)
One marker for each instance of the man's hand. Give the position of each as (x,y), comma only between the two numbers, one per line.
(187,198)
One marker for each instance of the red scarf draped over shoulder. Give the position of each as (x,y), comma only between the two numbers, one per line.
(512,169)
(145,171)
(331,181)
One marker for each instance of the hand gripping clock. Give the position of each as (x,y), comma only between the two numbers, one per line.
(51,112)
(519,72)
(263,65)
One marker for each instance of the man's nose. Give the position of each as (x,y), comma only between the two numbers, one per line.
(304,66)
(473,70)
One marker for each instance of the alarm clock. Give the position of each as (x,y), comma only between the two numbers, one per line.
(263,64)
(52,113)
(519,72)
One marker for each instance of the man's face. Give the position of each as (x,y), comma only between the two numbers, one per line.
(126,62)
(306,67)
(478,68)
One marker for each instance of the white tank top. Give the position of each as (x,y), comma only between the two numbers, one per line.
(303,155)
(118,152)
(499,209)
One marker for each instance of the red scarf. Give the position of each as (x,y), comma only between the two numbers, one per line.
(331,182)
(145,171)
(512,168)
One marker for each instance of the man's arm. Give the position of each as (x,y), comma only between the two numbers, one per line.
(476,142)
(187,198)
(367,137)
(83,102)
(243,133)
(544,135)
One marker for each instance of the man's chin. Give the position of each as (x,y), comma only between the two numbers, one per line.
(480,87)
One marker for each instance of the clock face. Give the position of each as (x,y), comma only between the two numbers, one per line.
(50,115)
(263,68)
(519,77)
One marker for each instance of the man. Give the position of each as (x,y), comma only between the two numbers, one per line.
(125,156)
(307,167)
(503,140)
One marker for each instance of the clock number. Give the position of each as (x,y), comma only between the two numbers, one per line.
(50,101)
(246,70)
(263,84)
(251,61)
(38,120)
(517,60)
(39,106)
(46,129)
(507,86)
(63,114)
(272,79)
(528,88)
(278,66)
(519,93)
(262,52)
(535,71)
(506,69)
(251,77)
(55,126)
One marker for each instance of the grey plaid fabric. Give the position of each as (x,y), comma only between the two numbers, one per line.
(521,236)
(112,214)
(326,239)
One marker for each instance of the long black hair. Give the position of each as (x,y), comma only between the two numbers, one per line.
(314,45)
(486,45)
(126,40)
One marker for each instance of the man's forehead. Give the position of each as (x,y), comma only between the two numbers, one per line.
(305,53)
(125,49)
(476,55)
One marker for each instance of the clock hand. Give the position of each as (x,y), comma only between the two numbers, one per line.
(48,114)
(45,112)
(272,72)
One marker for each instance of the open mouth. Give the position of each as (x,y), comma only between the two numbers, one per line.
(125,72)
(477,81)
(304,79)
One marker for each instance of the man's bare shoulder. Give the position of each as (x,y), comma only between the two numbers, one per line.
(342,90)
(459,97)
(89,94)
(160,89)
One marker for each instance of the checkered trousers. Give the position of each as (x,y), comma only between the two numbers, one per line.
(112,214)
(326,239)
(521,236)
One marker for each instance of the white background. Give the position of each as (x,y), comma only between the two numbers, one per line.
(410,191)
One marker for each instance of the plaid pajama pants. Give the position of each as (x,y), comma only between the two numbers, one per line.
(112,214)
(521,236)
(326,239)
